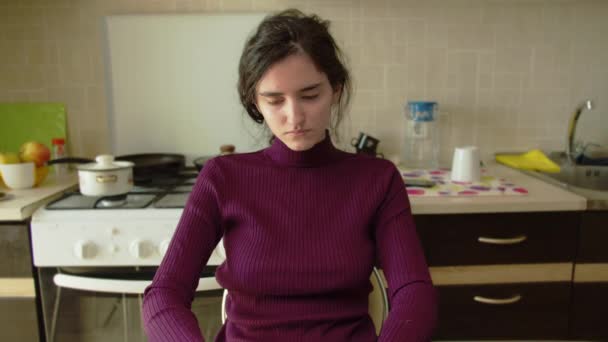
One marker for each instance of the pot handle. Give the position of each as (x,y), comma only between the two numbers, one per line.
(69,160)
(106,179)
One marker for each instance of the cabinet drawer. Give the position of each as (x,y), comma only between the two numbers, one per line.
(540,312)
(15,250)
(514,238)
(18,321)
(589,311)
(593,237)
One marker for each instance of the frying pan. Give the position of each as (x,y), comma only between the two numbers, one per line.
(200,161)
(155,163)
(147,165)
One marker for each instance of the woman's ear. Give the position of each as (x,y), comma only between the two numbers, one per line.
(254,102)
(336,95)
(256,108)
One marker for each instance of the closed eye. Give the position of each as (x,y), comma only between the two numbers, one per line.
(275,102)
(310,97)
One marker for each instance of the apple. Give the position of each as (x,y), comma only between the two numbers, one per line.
(33,151)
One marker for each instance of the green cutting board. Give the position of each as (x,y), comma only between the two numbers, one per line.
(21,122)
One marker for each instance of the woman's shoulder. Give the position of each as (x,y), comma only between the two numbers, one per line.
(368,170)
(219,167)
(234,160)
(369,162)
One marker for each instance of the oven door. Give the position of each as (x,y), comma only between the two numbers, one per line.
(104,303)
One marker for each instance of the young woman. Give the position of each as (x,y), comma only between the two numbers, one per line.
(303,222)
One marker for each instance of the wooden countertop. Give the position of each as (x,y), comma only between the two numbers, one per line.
(21,203)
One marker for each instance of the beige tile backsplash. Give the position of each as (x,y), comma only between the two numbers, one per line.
(507,73)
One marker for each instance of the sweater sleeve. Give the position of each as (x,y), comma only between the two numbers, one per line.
(412,297)
(167,301)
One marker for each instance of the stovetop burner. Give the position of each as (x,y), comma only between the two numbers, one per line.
(172,200)
(111,201)
(76,200)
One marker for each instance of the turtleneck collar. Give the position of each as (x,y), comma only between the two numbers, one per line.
(321,153)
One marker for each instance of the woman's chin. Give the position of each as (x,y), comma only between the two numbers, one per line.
(304,141)
(299,145)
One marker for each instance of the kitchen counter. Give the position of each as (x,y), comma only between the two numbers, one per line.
(541,196)
(22,203)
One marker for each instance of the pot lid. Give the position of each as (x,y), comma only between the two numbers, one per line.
(105,162)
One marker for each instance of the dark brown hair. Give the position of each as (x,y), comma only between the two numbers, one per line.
(281,35)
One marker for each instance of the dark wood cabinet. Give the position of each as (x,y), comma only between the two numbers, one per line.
(509,311)
(590,311)
(15,251)
(498,244)
(593,242)
(589,316)
(509,238)
(18,311)
(19,321)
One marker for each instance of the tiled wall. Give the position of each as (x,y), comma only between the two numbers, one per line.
(507,73)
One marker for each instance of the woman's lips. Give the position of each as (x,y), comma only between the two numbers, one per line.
(299,132)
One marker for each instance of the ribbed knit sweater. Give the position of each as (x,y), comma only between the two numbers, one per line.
(302,231)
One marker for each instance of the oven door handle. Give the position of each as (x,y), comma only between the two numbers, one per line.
(120,285)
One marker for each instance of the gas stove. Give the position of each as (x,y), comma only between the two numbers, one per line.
(127,230)
(161,192)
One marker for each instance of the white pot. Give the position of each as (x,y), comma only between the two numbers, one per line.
(106,177)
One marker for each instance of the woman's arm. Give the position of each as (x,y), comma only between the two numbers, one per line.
(167,301)
(412,297)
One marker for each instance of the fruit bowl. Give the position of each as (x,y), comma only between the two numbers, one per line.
(25,169)
(19,176)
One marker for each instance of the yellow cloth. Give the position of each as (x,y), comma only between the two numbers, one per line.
(534,160)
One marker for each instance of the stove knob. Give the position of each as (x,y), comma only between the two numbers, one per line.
(140,249)
(85,249)
(163,247)
(113,249)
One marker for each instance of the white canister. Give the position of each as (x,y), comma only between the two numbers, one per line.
(105,177)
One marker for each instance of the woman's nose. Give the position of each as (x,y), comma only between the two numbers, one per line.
(294,112)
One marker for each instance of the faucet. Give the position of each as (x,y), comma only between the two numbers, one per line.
(587,105)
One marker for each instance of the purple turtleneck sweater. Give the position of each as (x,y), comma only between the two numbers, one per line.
(302,231)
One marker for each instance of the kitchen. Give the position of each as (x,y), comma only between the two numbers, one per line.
(507,75)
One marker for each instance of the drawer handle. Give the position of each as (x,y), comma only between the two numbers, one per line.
(499,241)
(497,301)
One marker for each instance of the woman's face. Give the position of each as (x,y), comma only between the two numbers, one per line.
(295,100)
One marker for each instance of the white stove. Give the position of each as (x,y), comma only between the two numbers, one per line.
(132,230)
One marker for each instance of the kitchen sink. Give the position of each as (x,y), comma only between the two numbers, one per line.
(582,176)
(588,181)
